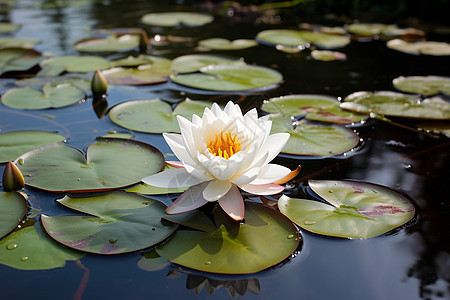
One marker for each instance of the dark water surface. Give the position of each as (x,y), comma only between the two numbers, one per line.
(409,263)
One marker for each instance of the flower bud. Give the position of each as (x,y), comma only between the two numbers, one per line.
(12,178)
(99,85)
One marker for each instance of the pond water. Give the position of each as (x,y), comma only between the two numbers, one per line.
(408,263)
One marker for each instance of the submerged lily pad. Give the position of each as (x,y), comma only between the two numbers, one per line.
(18,59)
(313,107)
(224,44)
(312,138)
(154,115)
(110,43)
(194,62)
(15,143)
(424,85)
(355,210)
(26,249)
(13,208)
(109,164)
(398,105)
(235,248)
(119,222)
(73,64)
(230,77)
(50,97)
(172,19)
(424,47)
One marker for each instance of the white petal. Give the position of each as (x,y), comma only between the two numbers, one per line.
(176,144)
(175,163)
(271,173)
(189,200)
(274,144)
(247,177)
(233,204)
(216,189)
(203,175)
(172,179)
(263,189)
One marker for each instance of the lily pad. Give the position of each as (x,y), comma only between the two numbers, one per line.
(398,105)
(50,97)
(110,164)
(194,62)
(26,249)
(110,43)
(424,47)
(8,27)
(15,143)
(313,107)
(301,38)
(326,55)
(154,115)
(13,208)
(119,222)
(172,19)
(312,138)
(18,59)
(235,248)
(73,64)
(366,29)
(424,85)
(81,83)
(15,42)
(224,44)
(355,210)
(142,60)
(435,127)
(230,78)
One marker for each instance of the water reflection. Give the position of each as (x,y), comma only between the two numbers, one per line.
(100,106)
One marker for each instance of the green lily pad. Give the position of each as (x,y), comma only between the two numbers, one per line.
(73,64)
(154,116)
(422,47)
(146,61)
(15,42)
(172,19)
(110,43)
(314,107)
(26,249)
(366,29)
(194,62)
(119,223)
(326,55)
(81,83)
(301,38)
(230,77)
(50,97)
(15,143)
(18,59)
(110,164)
(398,105)
(235,248)
(355,210)
(13,208)
(224,44)
(311,138)
(424,85)
(8,27)
(435,127)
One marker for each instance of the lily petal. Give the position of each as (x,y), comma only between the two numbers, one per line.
(175,163)
(271,173)
(233,204)
(189,200)
(216,189)
(263,189)
(176,144)
(174,178)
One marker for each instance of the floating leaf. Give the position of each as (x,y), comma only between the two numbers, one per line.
(50,97)
(15,143)
(13,208)
(224,44)
(194,62)
(73,64)
(356,210)
(366,29)
(146,61)
(110,164)
(146,189)
(326,55)
(81,83)
(119,223)
(314,107)
(310,138)
(435,127)
(398,105)
(154,116)
(8,27)
(425,47)
(15,42)
(424,85)
(26,249)
(110,43)
(172,19)
(235,248)
(18,59)
(230,78)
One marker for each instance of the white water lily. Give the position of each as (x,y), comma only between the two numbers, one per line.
(220,153)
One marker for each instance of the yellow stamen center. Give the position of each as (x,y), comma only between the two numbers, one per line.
(224,145)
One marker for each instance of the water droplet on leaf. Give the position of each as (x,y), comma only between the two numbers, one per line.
(309,222)
(11,246)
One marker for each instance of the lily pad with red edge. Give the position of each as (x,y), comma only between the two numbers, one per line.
(314,138)
(172,19)
(28,249)
(49,97)
(15,143)
(72,64)
(354,210)
(194,62)
(13,208)
(397,105)
(234,247)
(424,85)
(109,164)
(110,43)
(118,222)
(154,115)
(313,107)
(18,59)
